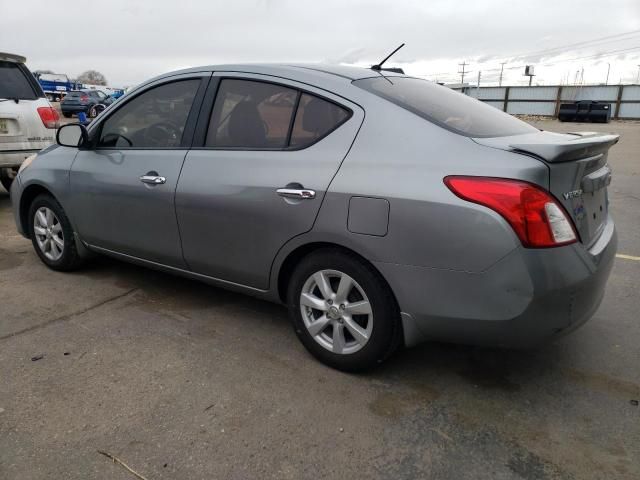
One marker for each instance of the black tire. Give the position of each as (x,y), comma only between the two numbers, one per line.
(67,114)
(70,258)
(386,333)
(6,177)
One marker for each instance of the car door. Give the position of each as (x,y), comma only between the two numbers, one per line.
(258,175)
(103,98)
(124,185)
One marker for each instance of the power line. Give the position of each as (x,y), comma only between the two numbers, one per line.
(547,64)
(583,43)
(464,71)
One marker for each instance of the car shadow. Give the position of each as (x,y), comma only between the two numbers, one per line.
(490,369)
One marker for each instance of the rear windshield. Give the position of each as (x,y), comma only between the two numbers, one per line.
(445,107)
(14,83)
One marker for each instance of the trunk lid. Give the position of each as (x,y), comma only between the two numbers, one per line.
(74,98)
(578,172)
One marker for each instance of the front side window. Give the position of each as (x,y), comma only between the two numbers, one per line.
(442,106)
(153,119)
(250,114)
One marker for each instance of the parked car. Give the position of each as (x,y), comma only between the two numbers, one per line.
(27,120)
(384,210)
(91,102)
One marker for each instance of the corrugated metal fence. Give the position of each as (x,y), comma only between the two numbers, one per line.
(624,99)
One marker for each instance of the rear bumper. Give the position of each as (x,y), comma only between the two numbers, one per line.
(527,298)
(74,108)
(15,158)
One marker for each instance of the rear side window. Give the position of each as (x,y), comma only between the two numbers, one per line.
(14,83)
(251,114)
(446,108)
(315,118)
(153,119)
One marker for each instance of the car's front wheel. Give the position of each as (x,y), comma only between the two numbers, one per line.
(343,311)
(52,235)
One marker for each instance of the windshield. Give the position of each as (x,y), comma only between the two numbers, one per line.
(14,84)
(445,107)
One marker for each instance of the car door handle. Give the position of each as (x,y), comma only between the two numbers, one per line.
(299,193)
(153,179)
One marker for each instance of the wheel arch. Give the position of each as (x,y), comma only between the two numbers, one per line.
(30,193)
(294,257)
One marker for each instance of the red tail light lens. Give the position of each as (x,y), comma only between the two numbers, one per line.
(84,98)
(533,213)
(49,117)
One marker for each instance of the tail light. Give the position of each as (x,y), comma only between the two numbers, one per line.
(84,98)
(533,213)
(49,117)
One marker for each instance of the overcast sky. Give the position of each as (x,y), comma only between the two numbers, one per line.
(131,40)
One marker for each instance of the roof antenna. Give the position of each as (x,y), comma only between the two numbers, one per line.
(378,67)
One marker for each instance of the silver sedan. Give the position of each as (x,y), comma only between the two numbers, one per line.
(384,210)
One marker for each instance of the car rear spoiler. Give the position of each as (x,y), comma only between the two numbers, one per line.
(586,144)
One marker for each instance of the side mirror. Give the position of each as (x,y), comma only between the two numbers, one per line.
(72,135)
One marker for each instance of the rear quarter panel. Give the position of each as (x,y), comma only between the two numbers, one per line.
(403,158)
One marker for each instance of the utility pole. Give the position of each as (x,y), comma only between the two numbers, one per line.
(501,70)
(478,87)
(463,65)
(638,76)
(606,82)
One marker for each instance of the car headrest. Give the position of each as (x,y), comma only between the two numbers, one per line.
(246,127)
(317,116)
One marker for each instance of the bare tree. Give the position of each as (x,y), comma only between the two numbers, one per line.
(92,77)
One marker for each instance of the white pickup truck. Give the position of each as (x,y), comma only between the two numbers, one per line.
(28,122)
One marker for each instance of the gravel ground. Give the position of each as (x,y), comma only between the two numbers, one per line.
(180,380)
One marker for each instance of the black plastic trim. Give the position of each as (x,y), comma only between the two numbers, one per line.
(206,109)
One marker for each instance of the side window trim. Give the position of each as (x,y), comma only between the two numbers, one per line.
(292,121)
(199,142)
(192,118)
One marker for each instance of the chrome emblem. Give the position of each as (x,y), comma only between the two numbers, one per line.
(572,194)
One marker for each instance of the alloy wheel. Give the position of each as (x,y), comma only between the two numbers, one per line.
(336,311)
(48,232)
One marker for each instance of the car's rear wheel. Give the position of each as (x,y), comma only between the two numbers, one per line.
(6,177)
(52,235)
(93,112)
(343,311)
